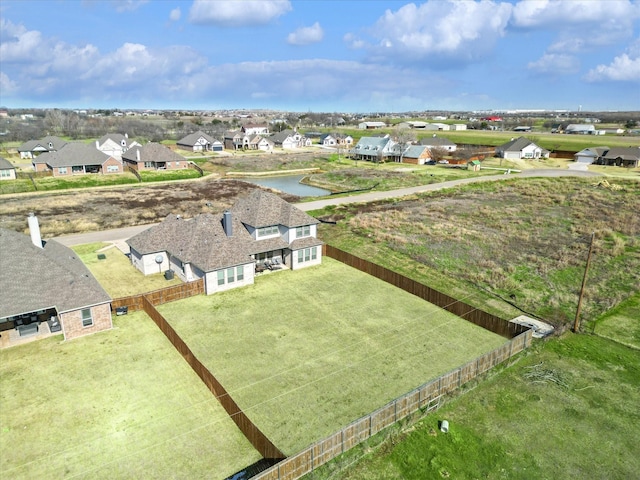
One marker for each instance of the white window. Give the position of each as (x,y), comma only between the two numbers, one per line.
(267,231)
(5,173)
(220,277)
(231,275)
(112,169)
(240,273)
(87,319)
(62,170)
(307,254)
(149,165)
(304,231)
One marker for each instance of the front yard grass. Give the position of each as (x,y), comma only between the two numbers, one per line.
(567,409)
(306,352)
(118,404)
(115,272)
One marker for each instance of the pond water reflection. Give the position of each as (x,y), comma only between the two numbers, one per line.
(288,184)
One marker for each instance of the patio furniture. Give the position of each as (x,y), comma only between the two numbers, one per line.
(54,325)
(29,329)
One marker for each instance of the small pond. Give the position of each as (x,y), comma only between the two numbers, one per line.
(288,184)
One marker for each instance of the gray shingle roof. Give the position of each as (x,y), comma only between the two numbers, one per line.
(203,242)
(38,278)
(436,142)
(191,139)
(627,153)
(414,151)
(49,143)
(515,145)
(6,164)
(263,209)
(73,154)
(152,152)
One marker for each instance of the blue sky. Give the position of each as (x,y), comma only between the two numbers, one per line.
(321,56)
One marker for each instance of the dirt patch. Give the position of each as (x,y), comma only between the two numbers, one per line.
(92,210)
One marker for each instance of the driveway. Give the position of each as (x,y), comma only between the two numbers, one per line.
(119,235)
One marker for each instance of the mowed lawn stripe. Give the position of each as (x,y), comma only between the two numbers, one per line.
(118,404)
(306,352)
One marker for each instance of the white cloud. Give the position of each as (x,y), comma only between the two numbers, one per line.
(7,86)
(555,64)
(233,13)
(542,13)
(459,30)
(306,35)
(353,42)
(18,43)
(623,68)
(122,6)
(175,14)
(580,24)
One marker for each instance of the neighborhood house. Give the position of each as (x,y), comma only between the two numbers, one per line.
(45,288)
(260,232)
(76,159)
(521,147)
(154,156)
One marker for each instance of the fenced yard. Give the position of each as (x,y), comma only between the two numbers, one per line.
(115,272)
(118,404)
(304,353)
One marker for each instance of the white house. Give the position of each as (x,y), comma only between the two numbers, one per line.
(521,147)
(261,231)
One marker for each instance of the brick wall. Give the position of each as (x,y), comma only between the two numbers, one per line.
(72,321)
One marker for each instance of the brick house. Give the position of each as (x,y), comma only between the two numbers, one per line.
(154,156)
(47,289)
(76,159)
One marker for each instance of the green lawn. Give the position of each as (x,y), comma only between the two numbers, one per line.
(622,323)
(567,409)
(118,404)
(306,352)
(116,274)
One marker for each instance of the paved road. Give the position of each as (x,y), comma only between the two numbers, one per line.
(118,235)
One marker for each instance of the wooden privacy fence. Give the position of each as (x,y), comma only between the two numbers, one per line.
(158,297)
(258,439)
(425,398)
(147,303)
(472,314)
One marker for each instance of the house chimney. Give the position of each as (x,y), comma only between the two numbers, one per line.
(97,143)
(226,223)
(34,230)
(138,155)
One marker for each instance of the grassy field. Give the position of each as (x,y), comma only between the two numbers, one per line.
(118,404)
(550,141)
(304,361)
(567,409)
(621,323)
(519,244)
(42,184)
(115,272)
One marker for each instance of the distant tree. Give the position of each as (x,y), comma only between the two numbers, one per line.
(438,153)
(54,121)
(630,123)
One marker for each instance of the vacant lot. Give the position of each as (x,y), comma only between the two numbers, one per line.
(101,209)
(118,404)
(306,352)
(567,409)
(514,246)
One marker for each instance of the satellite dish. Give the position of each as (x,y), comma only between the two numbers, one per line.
(159,259)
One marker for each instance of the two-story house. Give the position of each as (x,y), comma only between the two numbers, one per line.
(260,231)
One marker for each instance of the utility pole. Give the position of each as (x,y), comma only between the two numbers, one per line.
(576,324)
